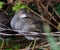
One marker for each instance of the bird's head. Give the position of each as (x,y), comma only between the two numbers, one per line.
(23,13)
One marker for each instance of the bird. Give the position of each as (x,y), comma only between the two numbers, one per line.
(27,22)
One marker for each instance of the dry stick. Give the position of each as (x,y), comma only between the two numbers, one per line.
(43,18)
(43,43)
(53,17)
(56,12)
(46,45)
(2,43)
(4,12)
(49,13)
(23,49)
(31,34)
(27,48)
(34,44)
(5,26)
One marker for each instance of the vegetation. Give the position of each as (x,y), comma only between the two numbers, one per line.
(43,10)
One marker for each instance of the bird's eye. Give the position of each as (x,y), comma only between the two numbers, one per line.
(23,12)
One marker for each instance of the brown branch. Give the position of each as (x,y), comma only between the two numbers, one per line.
(31,34)
(43,46)
(43,18)
(56,12)
(48,12)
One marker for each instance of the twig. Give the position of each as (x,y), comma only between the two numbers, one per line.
(45,8)
(42,43)
(2,43)
(43,18)
(27,48)
(56,12)
(31,34)
(48,45)
(48,12)
(5,26)
(34,44)
(44,46)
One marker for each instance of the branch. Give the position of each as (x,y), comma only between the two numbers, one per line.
(42,18)
(30,34)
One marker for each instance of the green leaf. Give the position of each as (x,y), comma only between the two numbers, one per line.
(22,6)
(0,42)
(19,6)
(40,49)
(50,38)
(8,49)
(58,8)
(16,47)
(1,4)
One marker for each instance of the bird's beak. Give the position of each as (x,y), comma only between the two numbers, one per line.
(23,15)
